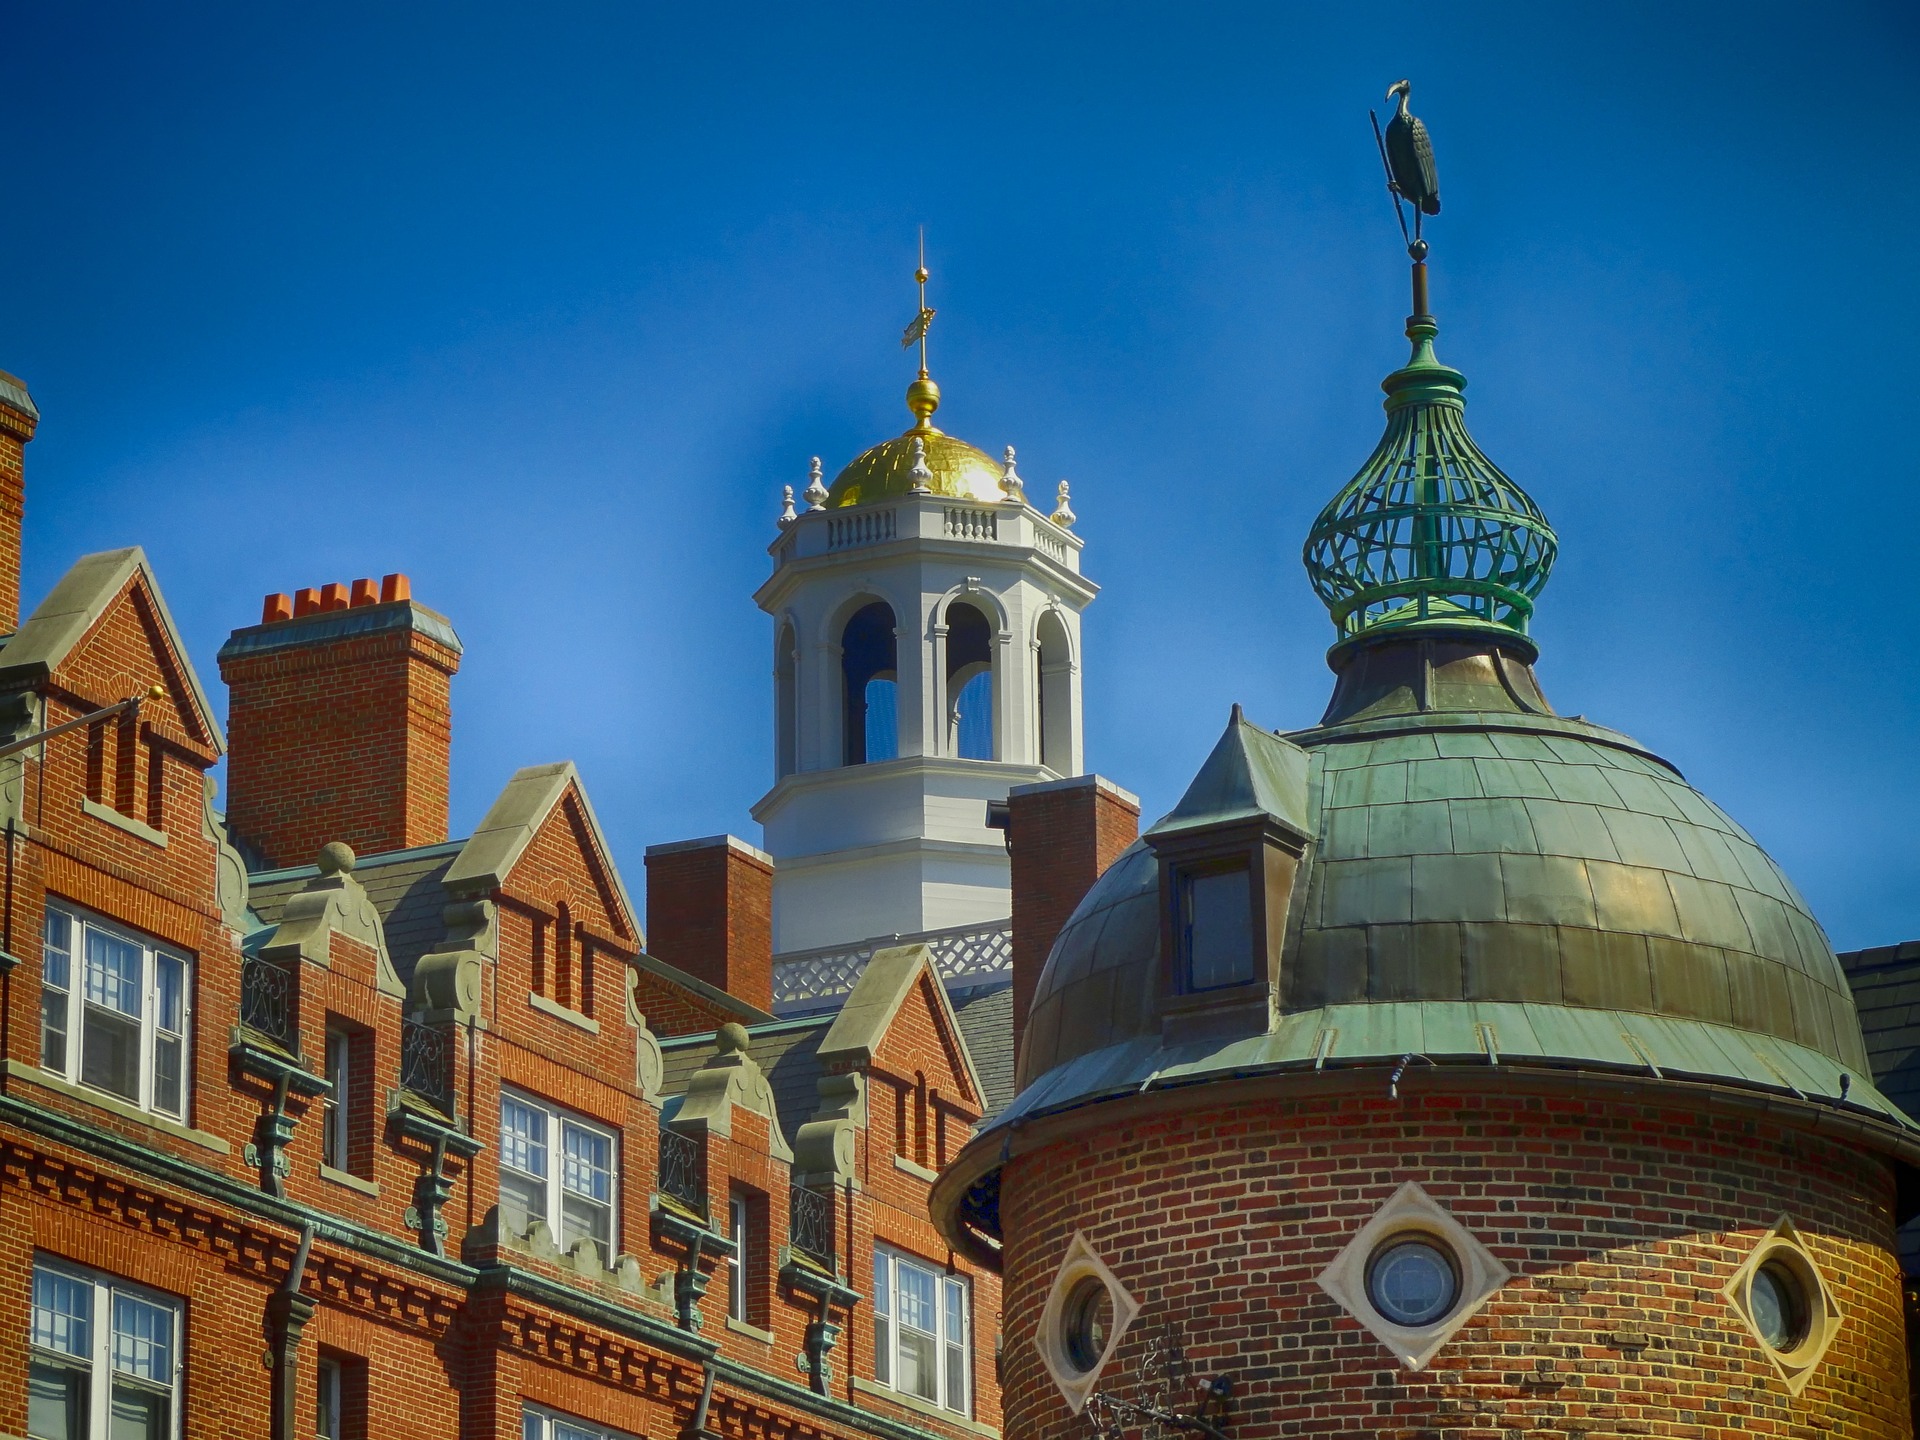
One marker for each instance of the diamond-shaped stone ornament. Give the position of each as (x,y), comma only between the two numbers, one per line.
(1080,1263)
(1411,1213)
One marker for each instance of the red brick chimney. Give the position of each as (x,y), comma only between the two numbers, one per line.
(19,417)
(710,913)
(340,722)
(1062,835)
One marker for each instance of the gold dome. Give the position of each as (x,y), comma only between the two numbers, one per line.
(960,472)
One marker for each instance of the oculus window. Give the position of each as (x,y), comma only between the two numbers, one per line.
(1784,1299)
(114,1010)
(103,1359)
(557,1169)
(1086,1313)
(921,1341)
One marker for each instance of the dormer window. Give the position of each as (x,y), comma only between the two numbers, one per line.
(1214,927)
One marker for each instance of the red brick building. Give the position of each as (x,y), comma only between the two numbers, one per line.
(315,1121)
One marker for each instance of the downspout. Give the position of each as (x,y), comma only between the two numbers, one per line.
(287,1314)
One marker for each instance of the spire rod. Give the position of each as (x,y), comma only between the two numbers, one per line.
(923,396)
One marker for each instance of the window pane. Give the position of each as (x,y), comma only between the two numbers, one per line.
(956,1331)
(584,1220)
(113,972)
(56,1403)
(882,1327)
(1219,929)
(168,1087)
(170,994)
(53,1029)
(62,1306)
(523,1138)
(956,1398)
(564,1431)
(110,1052)
(587,1165)
(916,1298)
(919,1373)
(137,1415)
(532,1427)
(326,1401)
(56,940)
(522,1201)
(142,1339)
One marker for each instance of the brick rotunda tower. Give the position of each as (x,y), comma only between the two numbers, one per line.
(1451,1068)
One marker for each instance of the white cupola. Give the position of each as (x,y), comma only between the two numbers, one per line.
(926,659)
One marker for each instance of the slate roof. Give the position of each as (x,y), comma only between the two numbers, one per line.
(404,886)
(787,1051)
(1886,991)
(986,1024)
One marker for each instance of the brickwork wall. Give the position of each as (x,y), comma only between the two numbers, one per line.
(1063,835)
(346,739)
(1621,1221)
(710,913)
(16,429)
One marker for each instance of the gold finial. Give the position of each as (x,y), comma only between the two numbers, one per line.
(923,396)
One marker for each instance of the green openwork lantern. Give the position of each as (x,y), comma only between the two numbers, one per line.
(1430,533)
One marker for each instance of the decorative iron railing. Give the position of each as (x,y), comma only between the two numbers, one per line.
(810,1224)
(426,1063)
(266,1001)
(682,1176)
(964,955)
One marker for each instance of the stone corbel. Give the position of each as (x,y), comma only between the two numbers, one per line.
(649,1065)
(20,712)
(333,902)
(447,980)
(230,870)
(824,1150)
(434,1188)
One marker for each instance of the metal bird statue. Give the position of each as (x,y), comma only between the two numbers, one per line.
(1408,155)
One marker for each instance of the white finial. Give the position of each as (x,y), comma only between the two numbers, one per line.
(922,476)
(1011,490)
(816,493)
(1063,515)
(787,516)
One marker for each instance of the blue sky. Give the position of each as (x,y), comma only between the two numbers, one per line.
(542,305)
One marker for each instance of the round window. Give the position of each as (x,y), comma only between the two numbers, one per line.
(1086,1320)
(1778,1301)
(1412,1281)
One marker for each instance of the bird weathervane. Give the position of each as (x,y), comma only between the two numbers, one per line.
(1407,154)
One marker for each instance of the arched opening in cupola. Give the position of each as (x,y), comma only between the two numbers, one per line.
(786,705)
(969,682)
(869,659)
(1056,693)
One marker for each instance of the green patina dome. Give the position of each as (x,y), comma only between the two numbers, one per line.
(1482,880)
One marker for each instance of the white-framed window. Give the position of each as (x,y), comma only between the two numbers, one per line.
(114,1011)
(539,1423)
(737,1271)
(339,1105)
(326,1399)
(556,1167)
(922,1342)
(104,1358)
